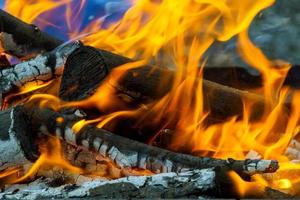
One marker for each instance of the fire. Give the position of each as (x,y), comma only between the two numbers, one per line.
(179,33)
(51,155)
(30,10)
(244,188)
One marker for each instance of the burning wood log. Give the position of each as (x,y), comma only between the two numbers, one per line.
(23,40)
(42,68)
(243,79)
(96,64)
(144,83)
(124,152)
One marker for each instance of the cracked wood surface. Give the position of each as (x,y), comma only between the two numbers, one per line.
(41,68)
(16,144)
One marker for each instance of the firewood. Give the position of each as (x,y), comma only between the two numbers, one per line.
(245,79)
(24,40)
(86,68)
(41,68)
(129,153)
(124,152)
(223,101)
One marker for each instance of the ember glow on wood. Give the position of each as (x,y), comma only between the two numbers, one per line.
(97,107)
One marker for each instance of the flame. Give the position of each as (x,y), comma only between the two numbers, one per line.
(180,33)
(29,10)
(51,155)
(244,188)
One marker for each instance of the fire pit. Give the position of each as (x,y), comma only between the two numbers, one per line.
(129,109)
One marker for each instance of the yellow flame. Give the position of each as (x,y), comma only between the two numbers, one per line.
(51,155)
(244,188)
(29,10)
(283,184)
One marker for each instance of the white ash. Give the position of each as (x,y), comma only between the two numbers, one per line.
(11,153)
(257,165)
(155,186)
(103,148)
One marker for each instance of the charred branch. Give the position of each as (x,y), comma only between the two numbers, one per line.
(128,153)
(21,39)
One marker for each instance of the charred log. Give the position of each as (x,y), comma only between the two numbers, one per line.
(129,153)
(82,77)
(42,68)
(21,39)
(124,152)
(243,78)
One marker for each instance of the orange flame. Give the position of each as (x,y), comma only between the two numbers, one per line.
(51,155)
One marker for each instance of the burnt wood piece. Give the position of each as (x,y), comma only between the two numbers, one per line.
(129,153)
(44,67)
(87,67)
(16,142)
(21,39)
(243,78)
